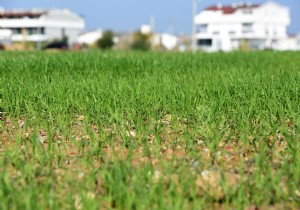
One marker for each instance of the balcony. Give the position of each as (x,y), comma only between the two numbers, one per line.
(247,28)
(29,38)
(202,28)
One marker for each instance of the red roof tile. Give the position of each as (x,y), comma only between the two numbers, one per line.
(21,14)
(231,9)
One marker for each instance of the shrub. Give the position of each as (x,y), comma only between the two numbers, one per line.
(141,42)
(106,42)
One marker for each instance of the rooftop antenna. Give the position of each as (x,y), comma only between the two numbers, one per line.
(170,27)
(194,28)
(152,26)
(219,5)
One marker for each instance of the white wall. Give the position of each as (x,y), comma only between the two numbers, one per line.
(269,22)
(53,21)
(72,35)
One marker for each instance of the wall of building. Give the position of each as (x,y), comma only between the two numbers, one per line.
(48,25)
(258,27)
(72,35)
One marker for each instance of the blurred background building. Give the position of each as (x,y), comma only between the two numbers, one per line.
(89,38)
(239,26)
(31,28)
(244,26)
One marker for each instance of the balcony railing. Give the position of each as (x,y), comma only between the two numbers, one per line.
(29,38)
(247,31)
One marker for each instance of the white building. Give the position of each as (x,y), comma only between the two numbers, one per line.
(292,43)
(5,36)
(42,25)
(255,26)
(165,40)
(90,38)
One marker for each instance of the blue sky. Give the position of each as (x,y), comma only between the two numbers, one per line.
(128,15)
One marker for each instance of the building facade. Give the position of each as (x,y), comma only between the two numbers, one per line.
(42,25)
(238,26)
(90,38)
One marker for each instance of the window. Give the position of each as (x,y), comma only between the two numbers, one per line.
(16,30)
(202,28)
(255,44)
(216,33)
(231,32)
(247,28)
(204,42)
(32,31)
(247,11)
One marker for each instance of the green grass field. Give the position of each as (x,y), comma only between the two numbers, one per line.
(130,130)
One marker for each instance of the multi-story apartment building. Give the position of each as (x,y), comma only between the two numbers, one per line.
(255,26)
(42,25)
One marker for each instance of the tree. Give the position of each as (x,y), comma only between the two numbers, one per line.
(141,41)
(106,42)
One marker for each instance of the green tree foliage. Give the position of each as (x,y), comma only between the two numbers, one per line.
(1,47)
(106,42)
(141,41)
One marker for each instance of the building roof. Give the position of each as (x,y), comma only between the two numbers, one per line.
(229,9)
(21,14)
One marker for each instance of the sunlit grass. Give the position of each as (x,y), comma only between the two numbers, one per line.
(130,130)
